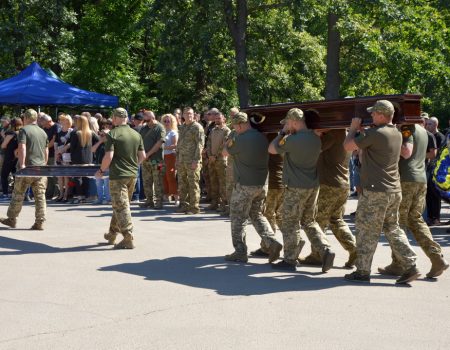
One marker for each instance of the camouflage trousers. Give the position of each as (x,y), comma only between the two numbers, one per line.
(411,209)
(152,176)
(217,180)
(189,186)
(21,184)
(121,192)
(247,202)
(299,208)
(272,209)
(330,213)
(378,212)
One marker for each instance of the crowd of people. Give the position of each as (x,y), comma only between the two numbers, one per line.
(294,181)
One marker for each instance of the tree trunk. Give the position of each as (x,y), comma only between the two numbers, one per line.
(333,81)
(237,25)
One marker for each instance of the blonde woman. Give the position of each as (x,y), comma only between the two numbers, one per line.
(81,143)
(62,144)
(170,145)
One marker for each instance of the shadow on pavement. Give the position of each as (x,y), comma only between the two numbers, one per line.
(229,278)
(19,247)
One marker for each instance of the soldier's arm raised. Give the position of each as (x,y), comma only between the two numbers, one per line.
(349,142)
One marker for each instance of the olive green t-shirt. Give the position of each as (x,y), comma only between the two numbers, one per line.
(413,168)
(250,157)
(333,161)
(36,141)
(125,143)
(301,152)
(151,135)
(381,147)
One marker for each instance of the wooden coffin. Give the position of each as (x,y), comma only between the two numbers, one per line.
(334,114)
(59,170)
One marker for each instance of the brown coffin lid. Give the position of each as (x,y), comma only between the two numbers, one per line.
(334,114)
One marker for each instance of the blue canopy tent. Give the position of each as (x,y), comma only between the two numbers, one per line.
(34,86)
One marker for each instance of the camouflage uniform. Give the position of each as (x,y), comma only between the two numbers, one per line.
(21,184)
(299,206)
(36,142)
(411,209)
(378,212)
(121,192)
(127,147)
(414,188)
(205,166)
(380,199)
(189,150)
(331,208)
(217,168)
(152,175)
(272,210)
(153,167)
(247,202)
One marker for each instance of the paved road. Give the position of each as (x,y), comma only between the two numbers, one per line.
(63,289)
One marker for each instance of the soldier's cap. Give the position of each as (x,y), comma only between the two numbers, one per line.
(239,118)
(424,115)
(5,119)
(139,116)
(213,111)
(120,113)
(382,106)
(293,114)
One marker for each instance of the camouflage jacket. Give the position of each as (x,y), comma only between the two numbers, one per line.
(190,143)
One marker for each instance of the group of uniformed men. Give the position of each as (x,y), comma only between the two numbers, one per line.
(304,170)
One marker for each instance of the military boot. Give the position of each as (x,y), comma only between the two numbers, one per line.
(11,222)
(438,266)
(391,270)
(110,237)
(274,251)
(125,243)
(37,226)
(236,256)
(310,260)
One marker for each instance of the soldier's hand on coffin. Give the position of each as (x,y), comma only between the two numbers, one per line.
(194,165)
(356,123)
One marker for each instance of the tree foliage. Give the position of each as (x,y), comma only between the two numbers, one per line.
(163,54)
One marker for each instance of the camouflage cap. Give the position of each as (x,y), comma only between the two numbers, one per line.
(293,114)
(424,115)
(382,106)
(239,118)
(120,113)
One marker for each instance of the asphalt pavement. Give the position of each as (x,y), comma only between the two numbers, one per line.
(63,288)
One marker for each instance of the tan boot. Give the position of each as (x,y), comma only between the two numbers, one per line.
(238,257)
(126,243)
(438,266)
(37,226)
(110,237)
(274,251)
(391,270)
(11,222)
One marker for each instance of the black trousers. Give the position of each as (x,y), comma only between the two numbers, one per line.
(433,200)
(9,166)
